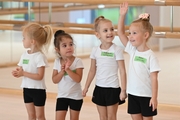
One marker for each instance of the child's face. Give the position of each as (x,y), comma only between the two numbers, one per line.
(66,47)
(27,42)
(136,35)
(106,32)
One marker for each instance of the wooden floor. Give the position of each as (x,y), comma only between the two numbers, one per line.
(13,108)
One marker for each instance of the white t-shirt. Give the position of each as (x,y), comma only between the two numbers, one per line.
(107,66)
(31,63)
(140,66)
(67,87)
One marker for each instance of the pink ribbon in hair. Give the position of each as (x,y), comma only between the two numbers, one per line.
(144,16)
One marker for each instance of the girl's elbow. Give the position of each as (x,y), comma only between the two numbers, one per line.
(79,80)
(54,81)
(120,33)
(40,77)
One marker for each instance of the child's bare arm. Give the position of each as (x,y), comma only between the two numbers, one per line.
(121,26)
(122,71)
(90,77)
(153,101)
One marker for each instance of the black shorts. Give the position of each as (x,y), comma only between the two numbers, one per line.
(140,105)
(36,96)
(106,96)
(63,103)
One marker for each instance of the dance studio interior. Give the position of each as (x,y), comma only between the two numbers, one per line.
(76,17)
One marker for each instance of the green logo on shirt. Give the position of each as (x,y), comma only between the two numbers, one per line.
(108,54)
(140,59)
(67,74)
(25,61)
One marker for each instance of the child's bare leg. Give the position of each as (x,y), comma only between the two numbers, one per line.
(61,115)
(40,113)
(74,115)
(148,118)
(102,110)
(112,112)
(136,117)
(31,111)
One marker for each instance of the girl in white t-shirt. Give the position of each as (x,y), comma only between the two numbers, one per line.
(32,68)
(67,73)
(106,59)
(142,85)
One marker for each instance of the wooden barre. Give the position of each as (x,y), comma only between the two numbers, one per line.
(86,31)
(131,2)
(167,35)
(166,29)
(44,23)
(89,26)
(24,10)
(68,30)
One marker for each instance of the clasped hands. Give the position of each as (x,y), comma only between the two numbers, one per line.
(66,65)
(18,72)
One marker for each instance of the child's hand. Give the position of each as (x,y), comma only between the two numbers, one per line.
(62,67)
(67,64)
(18,72)
(123,95)
(84,92)
(123,8)
(153,103)
(14,73)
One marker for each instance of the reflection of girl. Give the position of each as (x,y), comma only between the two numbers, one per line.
(67,73)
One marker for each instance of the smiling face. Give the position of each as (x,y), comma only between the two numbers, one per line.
(66,47)
(137,35)
(106,31)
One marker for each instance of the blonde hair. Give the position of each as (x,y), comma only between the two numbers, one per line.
(41,34)
(145,25)
(98,20)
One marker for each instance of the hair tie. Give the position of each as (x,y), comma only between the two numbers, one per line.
(144,16)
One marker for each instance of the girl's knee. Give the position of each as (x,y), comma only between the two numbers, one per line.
(32,116)
(112,117)
(41,117)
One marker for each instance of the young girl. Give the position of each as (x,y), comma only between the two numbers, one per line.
(105,61)
(142,86)
(32,67)
(67,73)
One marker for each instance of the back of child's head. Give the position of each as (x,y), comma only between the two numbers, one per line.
(41,34)
(99,20)
(145,25)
